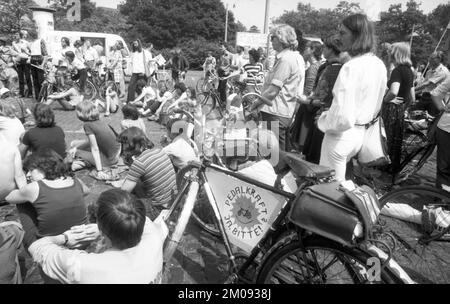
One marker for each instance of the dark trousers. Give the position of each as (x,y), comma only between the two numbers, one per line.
(283,129)
(23,71)
(132,86)
(222,88)
(28,217)
(443,158)
(38,79)
(82,76)
(313,145)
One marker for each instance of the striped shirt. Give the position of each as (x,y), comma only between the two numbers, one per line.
(254,72)
(155,170)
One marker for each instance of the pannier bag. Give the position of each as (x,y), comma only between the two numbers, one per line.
(342,214)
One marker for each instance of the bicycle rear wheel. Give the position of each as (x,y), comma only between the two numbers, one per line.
(202,214)
(209,103)
(415,153)
(326,262)
(425,256)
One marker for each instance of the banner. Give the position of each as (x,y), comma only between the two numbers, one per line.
(247,211)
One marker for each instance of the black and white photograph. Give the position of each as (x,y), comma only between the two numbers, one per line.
(223,147)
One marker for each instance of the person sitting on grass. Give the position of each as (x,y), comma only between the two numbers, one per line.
(11,128)
(68,99)
(112,103)
(53,201)
(163,95)
(152,175)
(46,134)
(101,148)
(178,94)
(135,253)
(147,96)
(131,118)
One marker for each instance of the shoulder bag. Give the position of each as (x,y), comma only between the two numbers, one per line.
(374,148)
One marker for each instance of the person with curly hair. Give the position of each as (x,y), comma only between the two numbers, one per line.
(151,174)
(46,134)
(11,129)
(53,201)
(134,254)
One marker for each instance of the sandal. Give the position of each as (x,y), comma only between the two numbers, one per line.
(107,176)
(78,165)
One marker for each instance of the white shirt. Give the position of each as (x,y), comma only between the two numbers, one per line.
(141,264)
(137,61)
(181,152)
(78,64)
(22,47)
(90,54)
(263,171)
(149,93)
(301,63)
(11,130)
(358,94)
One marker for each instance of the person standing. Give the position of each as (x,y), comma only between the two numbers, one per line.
(357,95)
(304,119)
(279,92)
(442,104)
(90,55)
(115,65)
(179,65)
(22,47)
(398,98)
(322,96)
(223,70)
(139,58)
(38,50)
(436,75)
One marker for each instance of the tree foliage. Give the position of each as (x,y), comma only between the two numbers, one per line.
(168,23)
(15,16)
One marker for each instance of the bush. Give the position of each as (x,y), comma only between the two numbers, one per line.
(196,51)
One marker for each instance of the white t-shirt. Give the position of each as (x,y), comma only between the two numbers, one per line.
(141,264)
(90,54)
(181,152)
(78,64)
(263,171)
(150,94)
(11,130)
(137,61)
(128,123)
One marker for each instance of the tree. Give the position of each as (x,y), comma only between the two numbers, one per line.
(318,22)
(254,29)
(167,23)
(15,16)
(396,25)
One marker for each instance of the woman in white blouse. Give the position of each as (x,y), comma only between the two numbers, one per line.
(357,95)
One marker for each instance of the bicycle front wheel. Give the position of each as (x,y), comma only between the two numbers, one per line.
(318,261)
(203,214)
(422,253)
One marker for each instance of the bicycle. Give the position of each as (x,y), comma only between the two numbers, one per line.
(417,147)
(422,252)
(275,250)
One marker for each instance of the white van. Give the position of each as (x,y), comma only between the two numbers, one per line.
(53,41)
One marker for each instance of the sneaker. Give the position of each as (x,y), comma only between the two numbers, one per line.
(435,219)
(153,118)
(106,114)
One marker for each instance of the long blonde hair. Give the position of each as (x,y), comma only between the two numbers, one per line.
(400,53)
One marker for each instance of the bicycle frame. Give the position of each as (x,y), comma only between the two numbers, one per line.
(278,226)
(193,186)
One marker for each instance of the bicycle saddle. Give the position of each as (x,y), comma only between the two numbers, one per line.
(303,168)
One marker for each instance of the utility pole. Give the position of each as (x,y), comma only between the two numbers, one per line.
(226,25)
(266,26)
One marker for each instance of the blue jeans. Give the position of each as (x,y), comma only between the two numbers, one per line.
(11,235)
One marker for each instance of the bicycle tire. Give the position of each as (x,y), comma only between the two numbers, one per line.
(43,94)
(90,90)
(279,265)
(200,85)
(420,254)
(208,102)
(102,89)
(203,214)
(414,161)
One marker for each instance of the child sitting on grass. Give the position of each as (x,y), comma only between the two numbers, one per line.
(131,118)
(147,95)
(100,148)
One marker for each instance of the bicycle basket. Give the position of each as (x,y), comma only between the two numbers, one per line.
(329,211)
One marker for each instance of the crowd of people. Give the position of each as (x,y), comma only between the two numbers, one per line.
(316,98)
